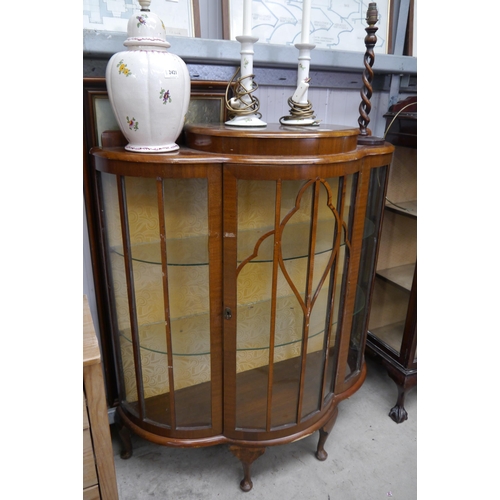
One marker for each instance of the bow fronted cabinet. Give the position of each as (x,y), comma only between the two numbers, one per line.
(239,273)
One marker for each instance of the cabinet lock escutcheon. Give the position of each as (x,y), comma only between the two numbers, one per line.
(227,313)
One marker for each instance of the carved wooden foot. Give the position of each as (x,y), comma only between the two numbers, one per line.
(404,382)
(125,437)
(324,432)
(398,412)
(247,456)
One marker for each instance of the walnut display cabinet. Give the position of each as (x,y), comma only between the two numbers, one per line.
(392,335)
(239,272)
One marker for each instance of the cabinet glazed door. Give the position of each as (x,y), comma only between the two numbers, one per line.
(164,270)
(287,264)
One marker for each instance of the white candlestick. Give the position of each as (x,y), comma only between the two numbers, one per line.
(306,20)
(247,17)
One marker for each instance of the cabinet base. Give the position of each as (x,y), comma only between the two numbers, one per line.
(245,450)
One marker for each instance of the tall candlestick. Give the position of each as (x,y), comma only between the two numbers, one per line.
(306,20)
(247,17)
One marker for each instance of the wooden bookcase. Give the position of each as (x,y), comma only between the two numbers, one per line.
(239,273)
(392,335)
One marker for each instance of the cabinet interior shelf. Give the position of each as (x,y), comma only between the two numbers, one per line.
(191,336)
(401,276)
(391,334)
(193,250)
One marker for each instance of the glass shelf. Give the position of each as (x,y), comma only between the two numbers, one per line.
(193,251)
(190,336)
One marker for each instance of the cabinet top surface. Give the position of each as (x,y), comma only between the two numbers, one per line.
(281,145)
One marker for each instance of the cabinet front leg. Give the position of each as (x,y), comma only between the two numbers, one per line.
(398,412)
(247,456)
(125,437)
(324,432)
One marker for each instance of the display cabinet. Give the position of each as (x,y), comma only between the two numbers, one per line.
(239,272)
(392,335)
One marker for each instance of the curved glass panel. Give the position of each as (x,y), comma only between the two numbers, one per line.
(154,228)
(378,179)
(291,259)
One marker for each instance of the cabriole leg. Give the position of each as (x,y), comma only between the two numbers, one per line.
(398,412)
(324,432)
(125,437)
(247,456)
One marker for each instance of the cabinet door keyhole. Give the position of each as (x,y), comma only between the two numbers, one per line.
(227,313)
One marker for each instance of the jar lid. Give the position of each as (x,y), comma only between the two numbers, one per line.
(146,28)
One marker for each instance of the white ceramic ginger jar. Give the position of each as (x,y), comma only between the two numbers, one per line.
(148,87)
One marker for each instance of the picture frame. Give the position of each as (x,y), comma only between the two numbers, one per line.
(180,17)
(208,102)
(338,24)
(207,105)
(410,35)
(411,31)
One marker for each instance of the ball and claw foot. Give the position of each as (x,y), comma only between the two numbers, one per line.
(398,414)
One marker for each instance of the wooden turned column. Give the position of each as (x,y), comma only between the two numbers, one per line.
(365,137)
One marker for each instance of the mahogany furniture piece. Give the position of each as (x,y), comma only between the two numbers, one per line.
(392,335)
(99,479)
(240,272)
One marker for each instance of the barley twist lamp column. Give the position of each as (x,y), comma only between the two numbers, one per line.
(365,137)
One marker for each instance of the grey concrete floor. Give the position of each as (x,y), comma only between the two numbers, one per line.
(370,457)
